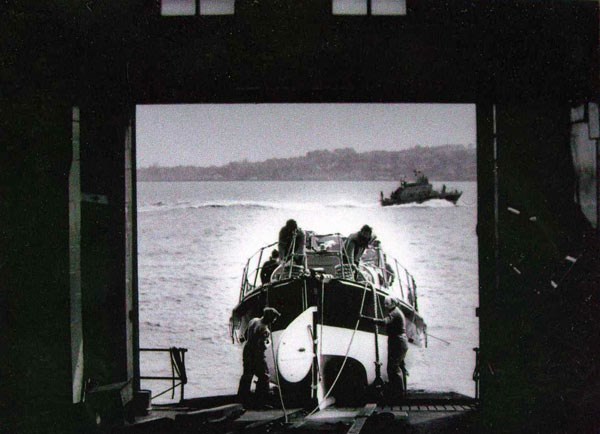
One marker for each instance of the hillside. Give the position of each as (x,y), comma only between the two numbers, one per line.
(447,163)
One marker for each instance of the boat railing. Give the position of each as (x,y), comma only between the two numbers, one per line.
(178,377)
(252,270)
(327,252)
(405,283)
(291,269)
(394,276)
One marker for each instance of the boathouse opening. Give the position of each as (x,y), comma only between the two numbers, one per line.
(215,182)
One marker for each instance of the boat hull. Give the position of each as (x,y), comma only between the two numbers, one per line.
(451,197)
(320,331)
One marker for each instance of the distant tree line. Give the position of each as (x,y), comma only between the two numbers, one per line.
(447,163)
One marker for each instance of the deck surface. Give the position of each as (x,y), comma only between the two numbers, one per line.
(425,414)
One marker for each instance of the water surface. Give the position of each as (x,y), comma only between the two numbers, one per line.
(194,239)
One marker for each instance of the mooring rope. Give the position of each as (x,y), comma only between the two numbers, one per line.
(347,352)
(322,323)
(285,415)
(439,339)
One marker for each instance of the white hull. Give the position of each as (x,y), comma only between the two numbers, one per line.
(318,342)
(294,350)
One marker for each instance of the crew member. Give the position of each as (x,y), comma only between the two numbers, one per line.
(357,243)
(292,242)
(254,358)
(269,266)
(389,271)
(395,324)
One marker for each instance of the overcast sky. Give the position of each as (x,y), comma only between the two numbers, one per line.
(216,134)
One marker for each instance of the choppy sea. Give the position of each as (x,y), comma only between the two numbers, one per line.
(194,239)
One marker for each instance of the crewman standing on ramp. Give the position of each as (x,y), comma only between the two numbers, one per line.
(395,324)
(257,340)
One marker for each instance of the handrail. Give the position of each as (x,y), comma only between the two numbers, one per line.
(257,270)
(178,371)
(244,288)
(402,278)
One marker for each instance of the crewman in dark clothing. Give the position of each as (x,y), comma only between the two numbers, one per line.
(357,243)
(292,241)
(389,271)
(254,358)
(395,324)
(269,266)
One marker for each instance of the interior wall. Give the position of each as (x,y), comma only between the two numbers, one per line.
(533,295)
(35,359)
(106,291)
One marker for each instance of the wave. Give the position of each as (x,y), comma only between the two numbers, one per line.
(161,206)
(297,206)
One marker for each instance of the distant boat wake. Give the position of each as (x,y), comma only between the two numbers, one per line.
(431,203)
(162,206)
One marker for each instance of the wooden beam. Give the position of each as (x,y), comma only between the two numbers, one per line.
(361,419)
